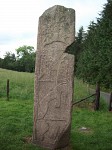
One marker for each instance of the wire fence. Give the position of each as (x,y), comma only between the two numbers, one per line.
(96,96)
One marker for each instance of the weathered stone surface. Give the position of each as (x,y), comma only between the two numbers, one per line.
(54,78)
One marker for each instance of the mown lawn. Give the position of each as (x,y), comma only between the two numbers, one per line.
(90,130)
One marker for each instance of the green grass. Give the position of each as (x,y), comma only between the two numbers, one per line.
(16,117)
(98,136)
(21,84)
(80,89)
(16,122)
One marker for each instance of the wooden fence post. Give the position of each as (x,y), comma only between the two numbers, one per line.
(110,102)
(7,89)
(97,97)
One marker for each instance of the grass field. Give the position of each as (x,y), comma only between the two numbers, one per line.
(90,130)
(21,84)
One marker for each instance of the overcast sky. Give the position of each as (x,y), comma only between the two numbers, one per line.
(19,19)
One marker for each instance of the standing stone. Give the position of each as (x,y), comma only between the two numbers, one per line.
(54,78)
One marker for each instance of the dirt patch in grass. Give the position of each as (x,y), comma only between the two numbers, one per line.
(85,130)
(27,140)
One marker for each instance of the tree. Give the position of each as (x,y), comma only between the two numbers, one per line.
(26,58)
(24,61)
(9,61)
(95,61)
(77,46)
(1,62)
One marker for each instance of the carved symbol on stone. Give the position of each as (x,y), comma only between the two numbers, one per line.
(54,78)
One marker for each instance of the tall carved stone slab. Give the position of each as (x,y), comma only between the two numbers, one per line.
(54,78)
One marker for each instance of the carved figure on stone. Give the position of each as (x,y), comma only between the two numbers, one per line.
(54,78)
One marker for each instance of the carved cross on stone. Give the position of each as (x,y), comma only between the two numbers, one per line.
(54,77)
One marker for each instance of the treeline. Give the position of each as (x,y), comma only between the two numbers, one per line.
(23,61)
(93,50)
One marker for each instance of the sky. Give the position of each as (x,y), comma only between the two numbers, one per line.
(19,19)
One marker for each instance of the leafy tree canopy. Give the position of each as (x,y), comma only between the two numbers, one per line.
(24,61)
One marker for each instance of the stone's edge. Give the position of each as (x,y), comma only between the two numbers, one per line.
(53,8)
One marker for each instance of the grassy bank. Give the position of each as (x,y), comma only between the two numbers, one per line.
(90,130)
(21,84)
